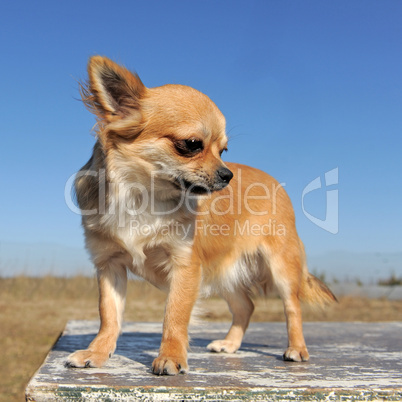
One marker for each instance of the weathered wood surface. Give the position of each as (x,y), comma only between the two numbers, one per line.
(349,361)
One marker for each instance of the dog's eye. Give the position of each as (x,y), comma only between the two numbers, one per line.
(189,147)
(194,145)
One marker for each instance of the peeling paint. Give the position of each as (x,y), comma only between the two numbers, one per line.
(345,365)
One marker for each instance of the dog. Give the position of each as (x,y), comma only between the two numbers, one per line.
(157,200)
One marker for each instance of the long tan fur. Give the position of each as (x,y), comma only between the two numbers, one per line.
(158,200)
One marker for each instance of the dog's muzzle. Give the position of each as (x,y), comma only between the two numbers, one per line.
(221,179)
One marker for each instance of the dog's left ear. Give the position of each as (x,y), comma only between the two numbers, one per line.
(113,92)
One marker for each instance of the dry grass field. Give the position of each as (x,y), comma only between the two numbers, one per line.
(34,311)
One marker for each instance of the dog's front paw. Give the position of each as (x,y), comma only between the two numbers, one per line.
(223,346)
(87,358)
(296,354)
(164,365)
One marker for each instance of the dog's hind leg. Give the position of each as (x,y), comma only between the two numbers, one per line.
(297,350)
(287,274)
(112,281)
(241,307)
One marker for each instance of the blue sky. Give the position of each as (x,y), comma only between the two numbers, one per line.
(306,87)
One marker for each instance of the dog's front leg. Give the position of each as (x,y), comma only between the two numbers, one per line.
(182,296)
(112,282)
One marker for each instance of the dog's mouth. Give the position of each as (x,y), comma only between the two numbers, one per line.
(194,188)
(198,188)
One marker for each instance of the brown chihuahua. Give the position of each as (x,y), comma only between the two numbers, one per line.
(157,199)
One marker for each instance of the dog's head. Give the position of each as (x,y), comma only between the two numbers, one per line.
(173,133)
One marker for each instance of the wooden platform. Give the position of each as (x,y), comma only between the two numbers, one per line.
(349,361)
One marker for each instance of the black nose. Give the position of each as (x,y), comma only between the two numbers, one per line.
(225,174)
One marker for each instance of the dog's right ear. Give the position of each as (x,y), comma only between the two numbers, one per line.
(112,92)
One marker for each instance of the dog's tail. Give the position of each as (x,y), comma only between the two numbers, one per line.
(314,291)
